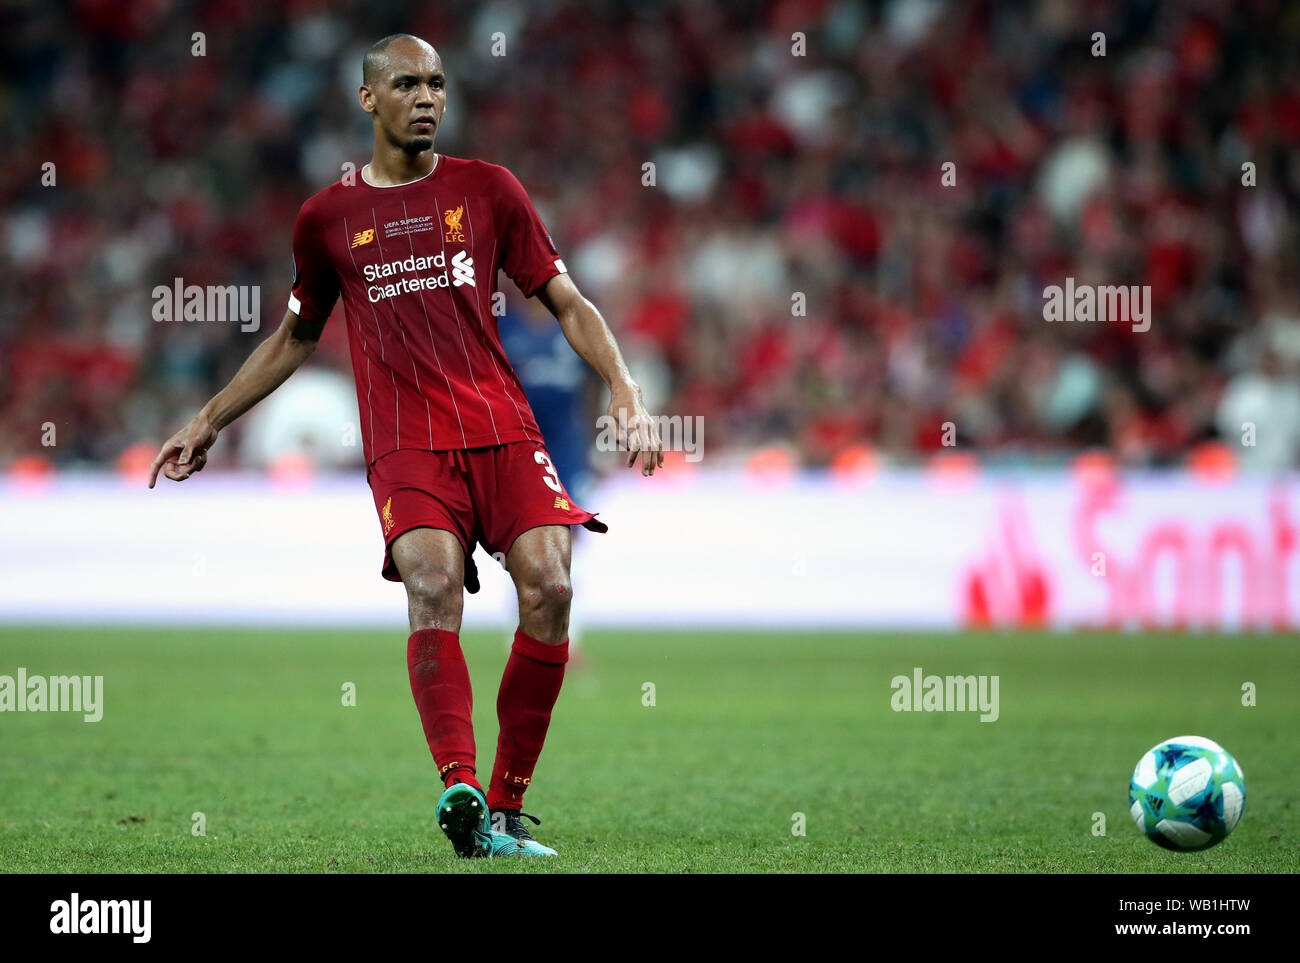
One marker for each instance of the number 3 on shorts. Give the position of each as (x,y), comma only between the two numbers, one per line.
(551,478)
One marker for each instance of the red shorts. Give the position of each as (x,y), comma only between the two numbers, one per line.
(486,495)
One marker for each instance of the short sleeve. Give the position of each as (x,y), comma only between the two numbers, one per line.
(315,281)
(528,254)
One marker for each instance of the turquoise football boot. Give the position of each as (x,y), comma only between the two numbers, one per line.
(503,845)
(463,815)
(506,822)
(531,847)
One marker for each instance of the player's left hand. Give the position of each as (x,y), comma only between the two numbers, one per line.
(637,430)
(184,453)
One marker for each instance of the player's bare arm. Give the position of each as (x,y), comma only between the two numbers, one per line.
(591,338)
(279,356)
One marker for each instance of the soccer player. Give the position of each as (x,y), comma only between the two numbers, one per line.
(453,453)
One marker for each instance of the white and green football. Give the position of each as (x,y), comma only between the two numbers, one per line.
(1187,793)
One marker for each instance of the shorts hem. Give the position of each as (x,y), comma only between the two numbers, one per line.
(389,569)
(589,522)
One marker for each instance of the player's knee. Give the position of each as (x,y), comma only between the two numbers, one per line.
(546,592)
(433,596)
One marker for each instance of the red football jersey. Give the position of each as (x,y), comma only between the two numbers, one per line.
(417,267)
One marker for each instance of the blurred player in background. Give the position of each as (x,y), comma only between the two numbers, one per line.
(453,451)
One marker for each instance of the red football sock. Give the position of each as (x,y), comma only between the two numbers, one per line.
(529,688)
(440,684)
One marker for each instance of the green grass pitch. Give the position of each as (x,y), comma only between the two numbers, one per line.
(748,729)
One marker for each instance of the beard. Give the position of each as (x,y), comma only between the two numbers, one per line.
(417,145)
(410,146)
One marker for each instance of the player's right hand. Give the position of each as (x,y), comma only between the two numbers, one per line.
(185,452)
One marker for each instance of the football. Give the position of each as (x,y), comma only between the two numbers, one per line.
(1187,793)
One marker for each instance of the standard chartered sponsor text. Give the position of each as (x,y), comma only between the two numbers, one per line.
(406,285)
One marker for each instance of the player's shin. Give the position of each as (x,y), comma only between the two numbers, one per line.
(529,687)
(440,684)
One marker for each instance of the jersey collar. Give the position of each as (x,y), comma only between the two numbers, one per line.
(437,159)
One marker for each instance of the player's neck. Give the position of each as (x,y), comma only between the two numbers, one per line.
(394,167)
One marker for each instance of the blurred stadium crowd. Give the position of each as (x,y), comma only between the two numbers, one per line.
(776,175)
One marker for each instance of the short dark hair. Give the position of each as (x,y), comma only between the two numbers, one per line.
(373,63)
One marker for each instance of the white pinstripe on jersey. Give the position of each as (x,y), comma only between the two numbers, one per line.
(374,219)
(347,242)
(451,293)
(490,275)
(450,392)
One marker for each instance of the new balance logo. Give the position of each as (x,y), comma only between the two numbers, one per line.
(462,269)
(363,237)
